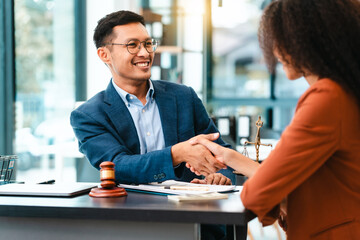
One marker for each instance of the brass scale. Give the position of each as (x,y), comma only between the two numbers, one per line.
(257,143)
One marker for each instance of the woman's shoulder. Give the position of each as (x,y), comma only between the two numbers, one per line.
(323,90)
(322,99)
(327,84)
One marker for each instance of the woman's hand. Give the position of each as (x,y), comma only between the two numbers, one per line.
(283,215)
(220,153)
(196,155)
(224,155)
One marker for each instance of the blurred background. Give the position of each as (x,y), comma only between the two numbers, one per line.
(49,66)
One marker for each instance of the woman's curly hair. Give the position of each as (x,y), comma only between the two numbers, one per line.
(320,36)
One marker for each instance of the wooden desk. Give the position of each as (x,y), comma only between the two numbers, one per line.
(137,216)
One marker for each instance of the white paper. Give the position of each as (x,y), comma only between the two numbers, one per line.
(197,197)
(224,126)
(243,126)
(160,187)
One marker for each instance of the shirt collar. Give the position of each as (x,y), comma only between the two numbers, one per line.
(150,93)
(126,97)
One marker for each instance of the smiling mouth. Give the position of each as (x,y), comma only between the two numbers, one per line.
(142,64)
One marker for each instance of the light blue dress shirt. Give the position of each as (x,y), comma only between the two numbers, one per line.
(146,119)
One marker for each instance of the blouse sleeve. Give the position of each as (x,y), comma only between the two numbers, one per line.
(305,145)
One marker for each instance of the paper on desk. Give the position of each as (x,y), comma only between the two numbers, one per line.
(162,187)
(197,197)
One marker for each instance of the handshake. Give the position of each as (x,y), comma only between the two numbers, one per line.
(204,157)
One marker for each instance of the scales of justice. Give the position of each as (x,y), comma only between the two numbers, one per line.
(257,143)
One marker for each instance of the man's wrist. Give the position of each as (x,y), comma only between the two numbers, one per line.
(174,155)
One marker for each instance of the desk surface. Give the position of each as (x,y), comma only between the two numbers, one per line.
(134,207)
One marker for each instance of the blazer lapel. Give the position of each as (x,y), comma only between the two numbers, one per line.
(121,118)
(166,103)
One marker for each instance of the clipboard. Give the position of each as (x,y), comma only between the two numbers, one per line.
(46,190)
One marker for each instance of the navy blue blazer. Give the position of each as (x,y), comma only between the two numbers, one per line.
(106,132)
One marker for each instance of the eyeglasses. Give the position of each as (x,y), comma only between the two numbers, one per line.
(134,45)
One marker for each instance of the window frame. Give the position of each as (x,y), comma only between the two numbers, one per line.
(7,77)
(7,68)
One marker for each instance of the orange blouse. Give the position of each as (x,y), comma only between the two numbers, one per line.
(316,165)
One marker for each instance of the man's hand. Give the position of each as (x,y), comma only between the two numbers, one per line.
(198,156)
(214,178)
(224,155)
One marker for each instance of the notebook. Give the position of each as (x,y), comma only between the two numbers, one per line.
(47,190)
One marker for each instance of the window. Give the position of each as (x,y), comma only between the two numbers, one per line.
(180,56)
(44,86)
(241,84)
(177,25)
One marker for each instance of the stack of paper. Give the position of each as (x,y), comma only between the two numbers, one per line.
(197,197)
(178,188)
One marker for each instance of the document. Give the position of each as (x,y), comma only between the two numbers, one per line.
(197,197)
(178,188)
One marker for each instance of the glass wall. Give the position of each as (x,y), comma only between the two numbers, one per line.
(210,45)
(45,85)
(177,25)
(241,84)
(180,31)
(45,82)
(238,67)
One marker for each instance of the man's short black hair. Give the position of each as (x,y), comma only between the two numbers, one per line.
(107,23)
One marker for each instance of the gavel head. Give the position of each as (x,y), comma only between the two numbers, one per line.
(107,175)
(108,186)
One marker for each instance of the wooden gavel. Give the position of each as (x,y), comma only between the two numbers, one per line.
(108,186)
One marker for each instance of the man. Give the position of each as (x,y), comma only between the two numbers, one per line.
(142,126)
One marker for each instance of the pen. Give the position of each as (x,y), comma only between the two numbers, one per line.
(189,188)
(47,182)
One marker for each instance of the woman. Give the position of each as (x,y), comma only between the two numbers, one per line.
(316,163)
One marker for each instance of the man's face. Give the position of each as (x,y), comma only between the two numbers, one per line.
(125,66)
